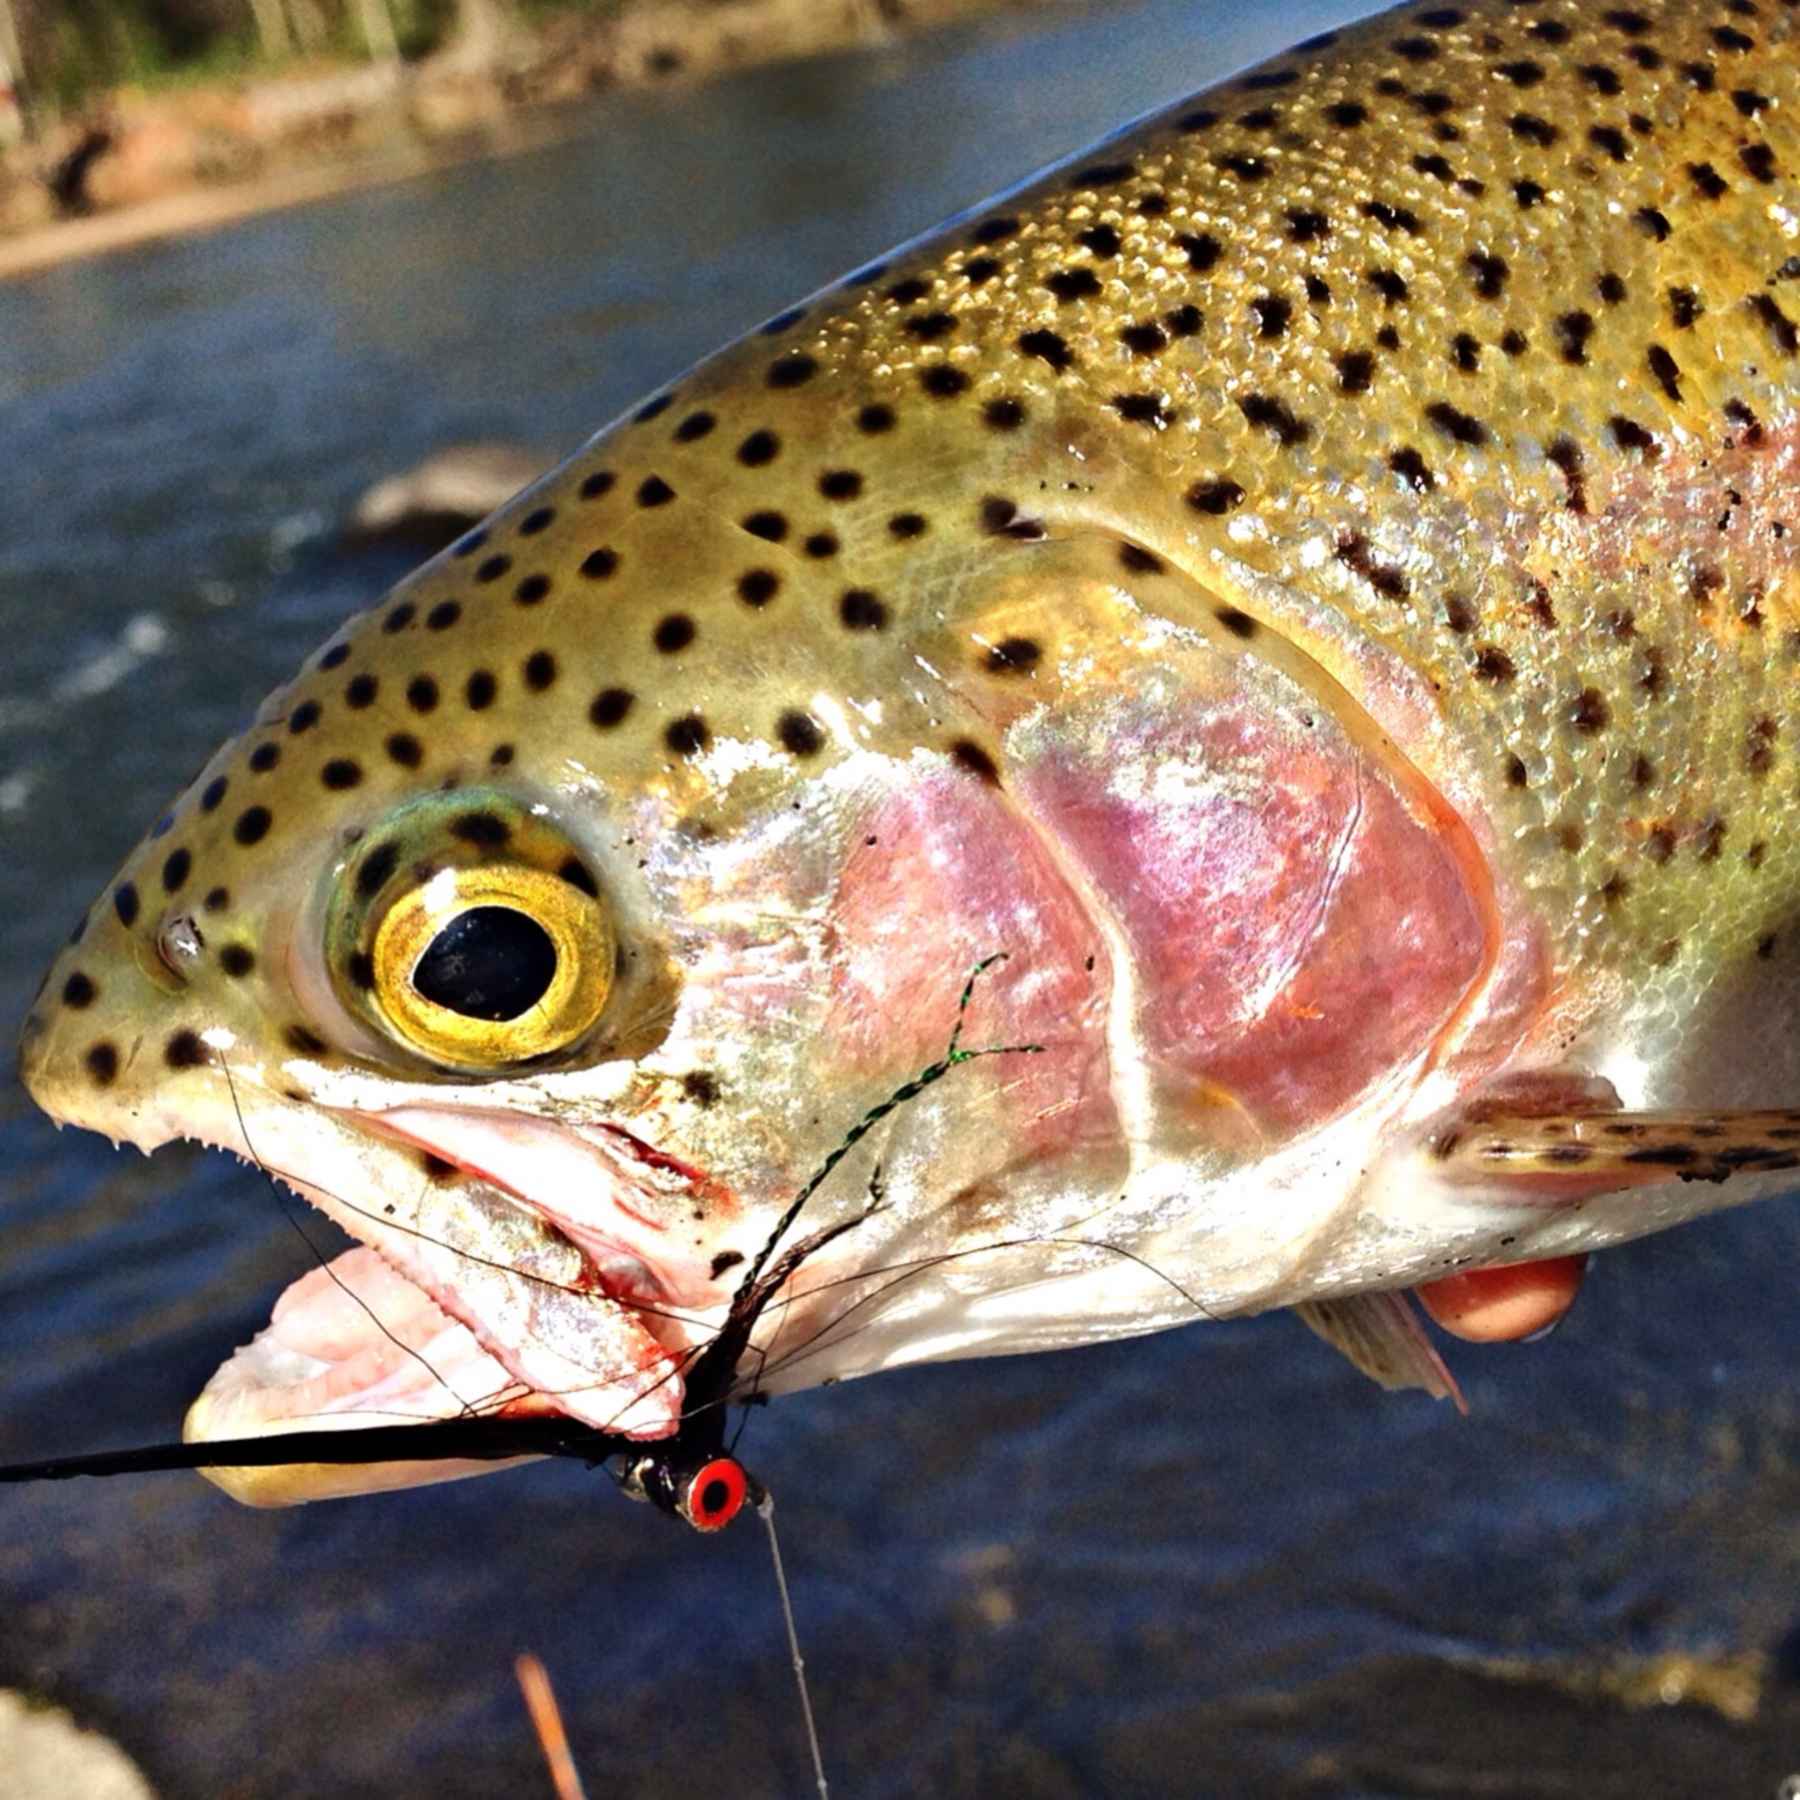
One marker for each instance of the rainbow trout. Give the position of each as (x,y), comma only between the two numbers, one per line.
(1312,583)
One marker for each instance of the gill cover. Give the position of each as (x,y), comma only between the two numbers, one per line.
(466,928)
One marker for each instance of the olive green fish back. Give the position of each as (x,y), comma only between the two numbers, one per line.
(1476,325)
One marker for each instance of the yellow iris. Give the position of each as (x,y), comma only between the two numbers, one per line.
(580,942)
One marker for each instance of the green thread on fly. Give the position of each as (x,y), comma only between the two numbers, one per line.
(927,1077)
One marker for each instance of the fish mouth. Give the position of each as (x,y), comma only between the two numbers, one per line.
(534,1271)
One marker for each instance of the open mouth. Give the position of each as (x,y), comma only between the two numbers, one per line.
(508,1268)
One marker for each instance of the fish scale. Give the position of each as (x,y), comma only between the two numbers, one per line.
(1441,369)
(1574,678)
(1561,682)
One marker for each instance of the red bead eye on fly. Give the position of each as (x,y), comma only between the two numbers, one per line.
(714,1495)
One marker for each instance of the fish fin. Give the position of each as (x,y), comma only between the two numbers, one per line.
(1382,1336)
(1574,1152)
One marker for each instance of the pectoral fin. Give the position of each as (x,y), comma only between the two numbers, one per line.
(1571,1153)
(1382,1336)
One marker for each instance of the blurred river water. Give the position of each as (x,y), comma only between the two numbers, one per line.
(1214,1562)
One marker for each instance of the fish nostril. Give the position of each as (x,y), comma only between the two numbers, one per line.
(180,944)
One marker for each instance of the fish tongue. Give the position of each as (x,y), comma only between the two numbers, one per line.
(352,1343)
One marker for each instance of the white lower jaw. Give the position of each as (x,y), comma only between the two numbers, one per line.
(349,1346)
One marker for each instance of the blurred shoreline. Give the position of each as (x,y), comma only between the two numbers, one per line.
(138,165)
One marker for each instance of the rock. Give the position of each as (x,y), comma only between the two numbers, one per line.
(47,1756)
(24,203)
(448,106)
(296,106)
(143,162)
(430,505)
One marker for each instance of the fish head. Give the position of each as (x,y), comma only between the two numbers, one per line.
(568,911)
(579,905)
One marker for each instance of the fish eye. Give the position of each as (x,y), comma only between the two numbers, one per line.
(475,938)
(490,962)
(491,965)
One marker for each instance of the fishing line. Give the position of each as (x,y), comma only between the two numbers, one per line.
(921,1264)
(877,1192)
(765,1509)
(711,1365)
(924,1265)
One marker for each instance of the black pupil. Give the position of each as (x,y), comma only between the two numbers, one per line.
(713,1497)
(487,963)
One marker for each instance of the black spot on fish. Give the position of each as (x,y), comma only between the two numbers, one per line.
(860,610)
(1073,284)
(792,371)
(1013,656)
(1460,426)
(610,707)
(799,733)
(1048,347)
(688,735)
(1275,417)
(375,871)
(969,756)
(1216,497)
(674,632)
